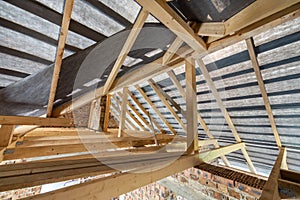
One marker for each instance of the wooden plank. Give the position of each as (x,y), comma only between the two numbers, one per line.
(6,134)
(140,117)
(123,111)
(191,107)
(117,115)
(270,190)
(148,100)
(20,120)
(288,189)
(141,127)
(258,10)
(165,14)
(38,151)
(176,44)
(105,188)
(137,27)
(215,153)
(95,114)
(68,6)
(141,107)
(165,102)
(107,111)
(179,87)
(227,117)
(260,80)
(214,29)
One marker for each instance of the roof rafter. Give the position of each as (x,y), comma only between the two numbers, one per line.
(148,100)
(227,117)
(68,7)
(137,27)
(260,80)
(166,103)
(179,87)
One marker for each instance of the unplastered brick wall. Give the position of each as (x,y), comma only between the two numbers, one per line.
(152,191)
(216,186)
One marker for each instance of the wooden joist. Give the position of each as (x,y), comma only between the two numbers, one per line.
(107,111)
(137,27)
(117,116)
(60,52)
(40,121)
(6,135)
(260,80)
(172,50)
(214,29)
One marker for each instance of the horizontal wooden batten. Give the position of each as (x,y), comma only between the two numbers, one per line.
(21,120)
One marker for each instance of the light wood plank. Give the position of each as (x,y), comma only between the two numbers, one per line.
(165,102)
(260,80)
(141,107)
(123,111)
(106,188)
(107,111)
(140,117)
(200,119)
(165,14)
(191,107)
(40,121)
(227,117)
(172,50)
(270,190)
(214,29)
(137,27)
(60,52)
(6,134)
(148,100)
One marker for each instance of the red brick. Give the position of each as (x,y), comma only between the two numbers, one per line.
(224,181)
(222,188)
(234,193)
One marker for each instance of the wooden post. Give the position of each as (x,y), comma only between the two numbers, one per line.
(123,111)
(107,111)
(191,107)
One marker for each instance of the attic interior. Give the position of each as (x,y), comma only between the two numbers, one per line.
(150,99)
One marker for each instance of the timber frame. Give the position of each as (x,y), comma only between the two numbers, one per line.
(54,135)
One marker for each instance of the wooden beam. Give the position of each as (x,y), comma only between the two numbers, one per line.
(191,107)
(137,27)
(60,52)
(258,10)
(167,105)
(140,117)
(227,117)
(132,116)
(117,116)
(105,188)
(148,100)
(176,44)
(107,111)
(40,121)
(123,111)
(270,190)
(222,151)
(145,112)
(166,15)
(179,87)
(6,134)
(260,80)
(214,29)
